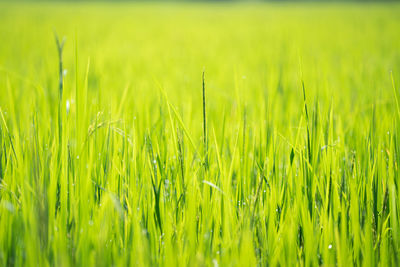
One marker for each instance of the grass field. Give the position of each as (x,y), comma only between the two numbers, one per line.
(290,158)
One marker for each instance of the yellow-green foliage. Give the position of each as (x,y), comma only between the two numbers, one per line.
(299,165)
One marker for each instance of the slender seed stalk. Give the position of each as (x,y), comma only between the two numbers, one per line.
(307,122)
(205,145)
(181,158)
(60,47)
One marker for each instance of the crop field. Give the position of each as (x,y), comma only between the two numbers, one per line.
(199,134)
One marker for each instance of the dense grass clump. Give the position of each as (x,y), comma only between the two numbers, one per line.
(232,135)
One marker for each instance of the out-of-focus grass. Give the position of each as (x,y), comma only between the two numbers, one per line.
(129,181)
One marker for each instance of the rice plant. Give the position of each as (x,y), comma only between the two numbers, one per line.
(284,152)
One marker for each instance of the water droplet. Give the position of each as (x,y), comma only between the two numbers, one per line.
(67,107)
